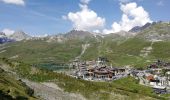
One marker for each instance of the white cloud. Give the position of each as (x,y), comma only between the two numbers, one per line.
(8,32)
(86,19)
(16,2)
(85,1)
(133,15)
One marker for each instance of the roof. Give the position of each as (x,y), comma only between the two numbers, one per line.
(150,77)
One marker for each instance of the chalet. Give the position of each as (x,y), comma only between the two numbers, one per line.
(150,78)
(104,72)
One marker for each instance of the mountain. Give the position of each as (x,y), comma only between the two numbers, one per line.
(157,32)
(4,38)
(16,36)
(120,48)
(55,38)
(118,37)
(78,34)
(140,28)
(125,34)
(20,35)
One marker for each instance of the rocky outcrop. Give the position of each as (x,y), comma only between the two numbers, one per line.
(78,34)
(140,28)
(20,35)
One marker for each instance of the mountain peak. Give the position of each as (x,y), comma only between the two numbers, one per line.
(20,35)
(158,31)
(78,34)
(140,28)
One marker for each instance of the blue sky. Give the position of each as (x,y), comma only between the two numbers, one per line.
(37,17)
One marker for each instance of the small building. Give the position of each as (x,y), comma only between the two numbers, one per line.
(150,78)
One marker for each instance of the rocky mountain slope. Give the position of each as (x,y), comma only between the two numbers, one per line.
(16,36)
(140,28)
(78,34)
(19,35)
(122,48)
(158,32)
(4,38)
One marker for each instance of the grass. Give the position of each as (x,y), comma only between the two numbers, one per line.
(161,50)
(119,54)
(13,89)
(41,51)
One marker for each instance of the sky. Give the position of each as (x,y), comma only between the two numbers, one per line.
(40,17)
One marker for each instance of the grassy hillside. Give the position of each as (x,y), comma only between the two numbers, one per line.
(123,51)
(161,50)
(37,51)
(120,51)
(13,89)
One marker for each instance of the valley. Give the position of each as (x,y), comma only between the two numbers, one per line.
(43,63)
(84,50)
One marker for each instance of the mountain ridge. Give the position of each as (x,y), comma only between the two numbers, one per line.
(20,35)
(119,49)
